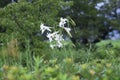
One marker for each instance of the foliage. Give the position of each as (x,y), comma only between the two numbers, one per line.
(62,64)
(4,3)
(23,19)
(92,25)
(25,54)
(109,43)
(112,48)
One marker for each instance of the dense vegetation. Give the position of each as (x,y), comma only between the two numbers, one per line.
(25,53)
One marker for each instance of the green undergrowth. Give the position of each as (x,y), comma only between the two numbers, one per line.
(67,63)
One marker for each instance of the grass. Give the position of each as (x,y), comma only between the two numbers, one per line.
(59,64)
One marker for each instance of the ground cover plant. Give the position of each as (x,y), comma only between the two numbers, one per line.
(63,64)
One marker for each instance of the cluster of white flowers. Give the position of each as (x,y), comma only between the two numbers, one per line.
(56,36)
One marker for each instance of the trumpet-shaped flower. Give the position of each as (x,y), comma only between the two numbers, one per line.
(62,22)
(43,28)
(59,37)
(51,36)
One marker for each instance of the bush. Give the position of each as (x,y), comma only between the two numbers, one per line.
(23,19)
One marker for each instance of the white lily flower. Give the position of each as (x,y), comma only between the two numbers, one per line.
(62,22)
(68,31)
(59,37)
(51,36)
(44,28)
